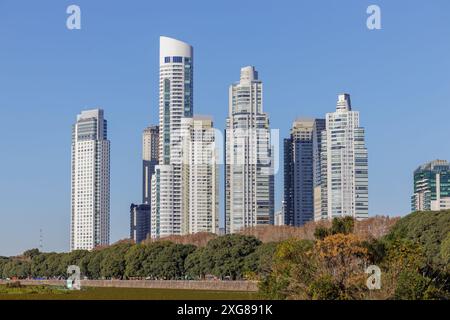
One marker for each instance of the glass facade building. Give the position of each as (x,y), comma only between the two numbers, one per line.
(139,222)
(301,161)
(431,186)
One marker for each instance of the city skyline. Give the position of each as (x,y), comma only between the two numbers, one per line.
(125,90)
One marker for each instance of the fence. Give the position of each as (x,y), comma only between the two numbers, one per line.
(218,285)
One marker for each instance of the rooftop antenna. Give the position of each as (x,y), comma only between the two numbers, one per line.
(41,237)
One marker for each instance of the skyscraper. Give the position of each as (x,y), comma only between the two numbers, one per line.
(90,181)
(200,176)
(431,186)
(150,158)
(175,102)
(320,165)
(344,162)
(249,184)
(139,222)
(279,216)
(300,163)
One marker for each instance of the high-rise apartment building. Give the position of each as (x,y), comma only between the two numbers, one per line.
(175,103)
(279,216)
(163,221)
(249,183)
(344,163)
(150,158)
(301,160)
(200,176)
(90,181)
(319,170)
(431,186)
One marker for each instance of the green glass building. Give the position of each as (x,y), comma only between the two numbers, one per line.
(431,186)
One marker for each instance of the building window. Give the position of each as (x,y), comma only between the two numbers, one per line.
(177,59)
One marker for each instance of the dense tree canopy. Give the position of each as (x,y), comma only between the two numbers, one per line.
(429,229)
(259,263)
(223,257)
(112,265)
(16,269)
(343,225)
(445,252)
(414,259)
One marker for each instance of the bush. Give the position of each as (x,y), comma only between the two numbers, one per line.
(324,288)
(411,286)
(14,284)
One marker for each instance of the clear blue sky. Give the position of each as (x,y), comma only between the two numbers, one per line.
(306,53)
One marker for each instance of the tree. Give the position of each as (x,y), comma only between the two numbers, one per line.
(68,259)
(411,286)
(174,257)
(321,233)
(196,265)
(293,269)
(134,260)
(3,262)
(332,268)
(39,266)
(113,266)
(376,250)
(445,252)
(166,260)
(20,269)
(404,255)
(226,255)
(91,264)
(429,229)
(53,264)
(343,225)
(408,273)
(30,254)
(154,263)
(345,257)
(113,262)
(260,261)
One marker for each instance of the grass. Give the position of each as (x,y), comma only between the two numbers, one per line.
(90,293)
